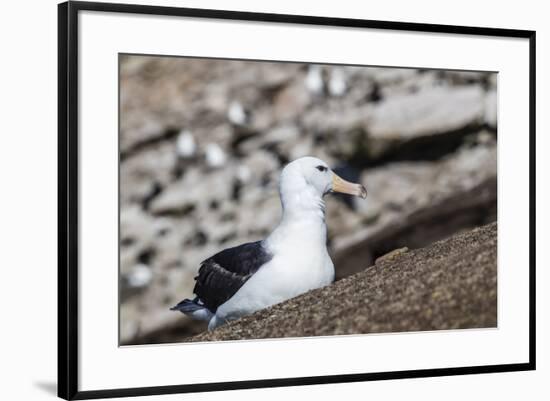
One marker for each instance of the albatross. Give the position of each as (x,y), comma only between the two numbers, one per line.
(292,260)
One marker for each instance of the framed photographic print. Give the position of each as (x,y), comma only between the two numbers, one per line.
(240,190)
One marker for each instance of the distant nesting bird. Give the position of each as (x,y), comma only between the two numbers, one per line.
(236,114)
(185,144)
(292,260)
(337,84)
(215,156)
(314,79)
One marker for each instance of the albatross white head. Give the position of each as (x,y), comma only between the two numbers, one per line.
(305,181)
(302,230)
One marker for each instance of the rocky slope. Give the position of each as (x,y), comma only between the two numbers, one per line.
(202,143)
(451,284)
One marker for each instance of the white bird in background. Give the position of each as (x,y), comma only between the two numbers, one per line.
(337,85)
(314,79)
(185,144)
(215,156)
(237,114)
(292,260)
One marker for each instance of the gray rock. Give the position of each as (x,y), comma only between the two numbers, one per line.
(491,109)
(290,102)
(431,112)
(434,198)
(177,210)
(194,191)
(437,110)
(141,172)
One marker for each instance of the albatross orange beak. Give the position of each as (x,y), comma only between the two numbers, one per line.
(345,187)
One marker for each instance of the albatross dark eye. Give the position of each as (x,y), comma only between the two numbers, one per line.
(321,168)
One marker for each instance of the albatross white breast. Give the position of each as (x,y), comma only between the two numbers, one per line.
(293,259)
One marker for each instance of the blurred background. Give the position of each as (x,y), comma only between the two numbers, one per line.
(202,142)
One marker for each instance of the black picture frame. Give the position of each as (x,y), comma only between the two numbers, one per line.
(68,196)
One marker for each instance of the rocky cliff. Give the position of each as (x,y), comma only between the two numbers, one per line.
(202,143)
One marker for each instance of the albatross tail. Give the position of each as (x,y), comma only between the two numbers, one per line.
(194,309)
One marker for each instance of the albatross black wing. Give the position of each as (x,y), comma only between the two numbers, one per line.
(221,275)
